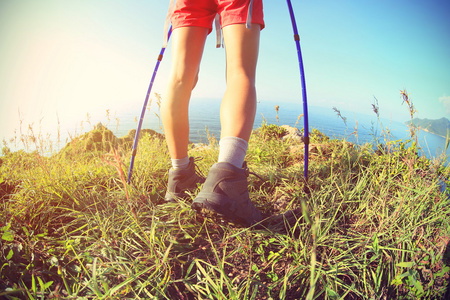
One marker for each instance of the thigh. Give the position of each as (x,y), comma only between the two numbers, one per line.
(242,48)
(187,51)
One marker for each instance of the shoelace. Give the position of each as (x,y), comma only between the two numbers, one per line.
(247,170)
(197,169)
(254,174)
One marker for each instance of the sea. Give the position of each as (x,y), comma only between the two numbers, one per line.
(354,127)
(204,120)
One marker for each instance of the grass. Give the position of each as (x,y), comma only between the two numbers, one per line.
(370,223)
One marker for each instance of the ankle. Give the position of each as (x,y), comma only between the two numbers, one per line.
(180,163)
(233,150)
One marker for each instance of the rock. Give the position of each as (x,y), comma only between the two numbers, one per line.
(292,133)
(99,126)
(281,203)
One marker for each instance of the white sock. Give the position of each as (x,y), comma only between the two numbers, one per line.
(180,163)
(233,150)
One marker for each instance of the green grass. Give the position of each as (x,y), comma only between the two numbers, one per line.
(374,224)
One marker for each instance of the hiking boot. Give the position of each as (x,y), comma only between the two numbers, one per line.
(225,194)
(182,181)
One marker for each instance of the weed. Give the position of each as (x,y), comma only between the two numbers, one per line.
(338,112)
(375,224)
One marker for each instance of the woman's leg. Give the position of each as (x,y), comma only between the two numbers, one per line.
(188,44)
(238,108)
(187,50)
(225,192)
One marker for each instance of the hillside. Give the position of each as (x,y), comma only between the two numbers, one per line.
(439,126)
(369,223)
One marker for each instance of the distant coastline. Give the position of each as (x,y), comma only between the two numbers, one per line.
(426,130)
(437,127)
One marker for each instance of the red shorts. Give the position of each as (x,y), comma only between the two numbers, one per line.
(201,13)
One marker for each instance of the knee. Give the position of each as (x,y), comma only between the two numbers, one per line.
(241,78)
(195,80)
(183,79)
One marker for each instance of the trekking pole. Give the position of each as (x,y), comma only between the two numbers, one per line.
(138,131)
(302,78)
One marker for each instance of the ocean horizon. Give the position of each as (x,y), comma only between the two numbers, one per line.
(204,119)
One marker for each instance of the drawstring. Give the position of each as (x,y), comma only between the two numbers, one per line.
(219,42)
(248,24)
(167,23)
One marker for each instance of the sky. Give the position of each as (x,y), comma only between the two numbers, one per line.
(62,60)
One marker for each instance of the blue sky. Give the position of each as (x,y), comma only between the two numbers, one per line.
(72,58)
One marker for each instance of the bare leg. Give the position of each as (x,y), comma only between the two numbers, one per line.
(238,108)
(187,50)
(225,191)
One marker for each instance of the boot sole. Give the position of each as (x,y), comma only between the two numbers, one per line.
(209,210)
